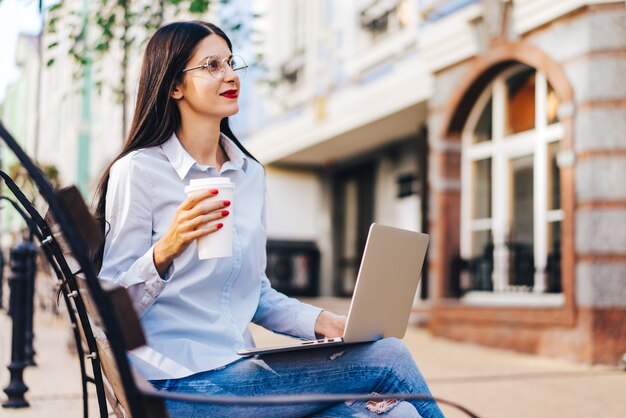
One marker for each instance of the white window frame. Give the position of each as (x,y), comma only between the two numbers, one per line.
(501,149)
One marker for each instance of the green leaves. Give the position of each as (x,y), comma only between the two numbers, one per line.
(94,33)
(199,6)
(113,30)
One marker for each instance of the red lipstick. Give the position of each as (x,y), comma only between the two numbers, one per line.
(230,94)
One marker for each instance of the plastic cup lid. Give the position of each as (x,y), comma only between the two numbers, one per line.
(201,184)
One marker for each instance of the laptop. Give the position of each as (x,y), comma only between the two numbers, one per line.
(384,292)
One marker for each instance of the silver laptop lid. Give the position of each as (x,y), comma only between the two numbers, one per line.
(386,284)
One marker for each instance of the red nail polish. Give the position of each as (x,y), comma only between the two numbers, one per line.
(219,226)
(226,203)
(214,192)
(225,213)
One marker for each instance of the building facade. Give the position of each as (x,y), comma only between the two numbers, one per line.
(495,126)
(19,114)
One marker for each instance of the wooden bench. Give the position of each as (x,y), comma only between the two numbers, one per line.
(114,323)
(82,332)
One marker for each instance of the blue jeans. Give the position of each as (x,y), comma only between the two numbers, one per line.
(384,366)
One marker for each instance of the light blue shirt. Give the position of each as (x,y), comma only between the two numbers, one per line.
(197,317)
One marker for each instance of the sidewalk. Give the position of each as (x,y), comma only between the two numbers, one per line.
(490,382)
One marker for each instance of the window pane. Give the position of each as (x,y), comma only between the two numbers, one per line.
(481,195)
(481,263)
(554,178)
(482,131)
(521,259)
(552,105)
(481,243)
(520,110)
(553,266)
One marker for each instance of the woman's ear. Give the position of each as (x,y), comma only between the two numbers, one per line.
(176,92)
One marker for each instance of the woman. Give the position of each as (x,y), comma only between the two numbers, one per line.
(196,312)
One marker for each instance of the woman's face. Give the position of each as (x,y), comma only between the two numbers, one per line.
(203,94)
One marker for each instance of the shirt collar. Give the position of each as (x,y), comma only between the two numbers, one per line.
(236,157)
(182,161)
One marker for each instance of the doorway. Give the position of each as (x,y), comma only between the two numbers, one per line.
(353,213)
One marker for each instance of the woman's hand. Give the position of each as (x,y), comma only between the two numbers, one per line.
(189,223)
(330,325)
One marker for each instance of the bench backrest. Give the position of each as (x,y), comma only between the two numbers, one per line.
(124,313)
(81,328)
(138,405)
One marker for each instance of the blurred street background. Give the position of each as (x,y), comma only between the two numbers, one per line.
(496,126)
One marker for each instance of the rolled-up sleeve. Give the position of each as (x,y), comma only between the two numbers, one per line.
(128,252)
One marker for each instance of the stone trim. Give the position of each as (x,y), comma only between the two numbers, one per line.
(600,204)
(594,104)
(593,154)
(454,310)
(617,258)
(603,53)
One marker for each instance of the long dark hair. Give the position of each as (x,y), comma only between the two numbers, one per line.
(156,114)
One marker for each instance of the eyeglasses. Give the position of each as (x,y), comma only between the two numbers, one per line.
(217,67)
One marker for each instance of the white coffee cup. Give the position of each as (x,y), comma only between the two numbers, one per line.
(219,243)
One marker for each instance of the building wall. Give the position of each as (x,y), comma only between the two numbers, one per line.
(19,115)
(390,208)
(20,108)
(60,107)
(589,325)
(293,204)
(339,90)
(447,54)
(600,195)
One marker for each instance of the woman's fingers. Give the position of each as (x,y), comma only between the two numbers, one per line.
(204,208)
(201,220)
(194,198)
(200,232)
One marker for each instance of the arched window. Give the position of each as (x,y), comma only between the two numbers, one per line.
(511,206)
